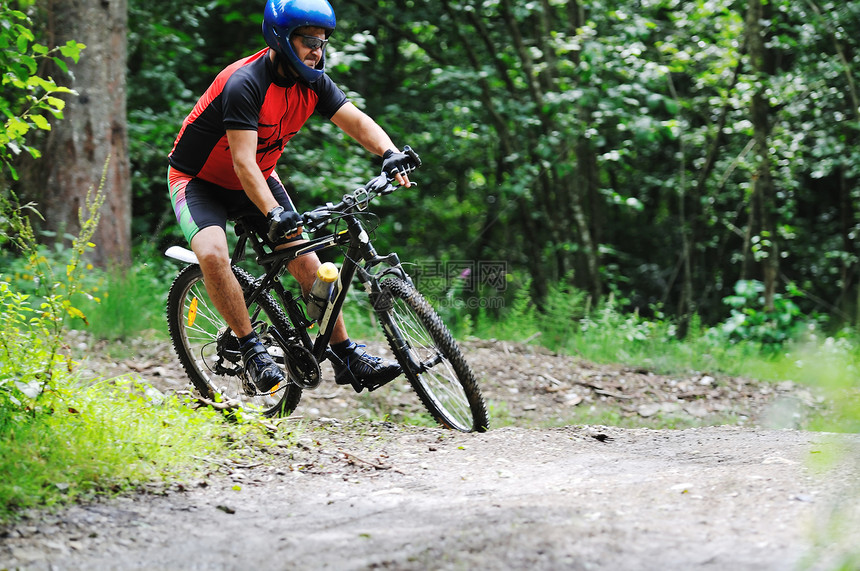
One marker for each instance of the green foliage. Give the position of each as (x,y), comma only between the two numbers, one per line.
(610,140)
(750,321)
(26,99)
(57,288)
(63,437)
(31,347)
(31,353)
(27,355)
(128,302)
(519,320)
(106,437)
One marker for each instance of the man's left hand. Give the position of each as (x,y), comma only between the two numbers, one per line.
(398,165)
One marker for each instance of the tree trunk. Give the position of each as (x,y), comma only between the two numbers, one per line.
(762,201)
(92,138)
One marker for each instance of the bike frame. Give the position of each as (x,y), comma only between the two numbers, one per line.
(360,259)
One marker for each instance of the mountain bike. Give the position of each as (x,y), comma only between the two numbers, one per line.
(428,354)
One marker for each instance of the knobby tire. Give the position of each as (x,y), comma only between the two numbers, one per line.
(420,340)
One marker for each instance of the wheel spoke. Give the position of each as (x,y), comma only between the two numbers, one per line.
(435,366)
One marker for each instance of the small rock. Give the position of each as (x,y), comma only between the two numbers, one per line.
(777,460)
(698,410)
(785,386)
(648,409)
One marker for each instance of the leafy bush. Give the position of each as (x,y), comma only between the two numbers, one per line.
(751,322)
(28,358)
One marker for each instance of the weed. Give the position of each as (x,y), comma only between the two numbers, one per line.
(500,414)
(63,437)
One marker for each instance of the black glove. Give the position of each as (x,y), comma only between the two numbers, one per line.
(283,223)
(403,163)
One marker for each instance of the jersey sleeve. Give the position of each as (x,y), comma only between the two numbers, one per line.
(242,101)
(331,97)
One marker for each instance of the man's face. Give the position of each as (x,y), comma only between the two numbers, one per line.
(308,56)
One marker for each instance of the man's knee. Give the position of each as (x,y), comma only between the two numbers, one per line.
(304,268)
(210,247)
(213,259)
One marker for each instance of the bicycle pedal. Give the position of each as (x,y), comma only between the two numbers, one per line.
(227,345)
(345,377)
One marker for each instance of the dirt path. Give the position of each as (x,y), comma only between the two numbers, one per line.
(364,494)
(375,495)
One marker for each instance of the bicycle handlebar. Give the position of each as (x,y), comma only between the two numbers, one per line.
(358,199)
(377,186)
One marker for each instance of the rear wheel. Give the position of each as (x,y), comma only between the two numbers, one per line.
(431,358)
(209,352)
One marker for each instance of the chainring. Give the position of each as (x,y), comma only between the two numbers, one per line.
(303,367)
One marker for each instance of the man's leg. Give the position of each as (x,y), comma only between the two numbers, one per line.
(210,246)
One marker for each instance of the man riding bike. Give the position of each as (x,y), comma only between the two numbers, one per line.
(223,162)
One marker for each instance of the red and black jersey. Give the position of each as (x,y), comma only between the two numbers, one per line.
(248,94)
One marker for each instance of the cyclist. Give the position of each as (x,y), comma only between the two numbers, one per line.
(223,161)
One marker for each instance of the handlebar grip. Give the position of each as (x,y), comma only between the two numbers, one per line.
(412,155)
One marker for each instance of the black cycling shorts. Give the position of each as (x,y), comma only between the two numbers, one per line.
(199,204)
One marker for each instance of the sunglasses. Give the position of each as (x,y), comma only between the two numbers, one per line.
(311,42)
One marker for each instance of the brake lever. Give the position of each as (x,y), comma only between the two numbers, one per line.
(391,188)
(316,219)
(412,155)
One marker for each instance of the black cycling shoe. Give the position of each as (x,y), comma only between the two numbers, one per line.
(260,368)
(370,372)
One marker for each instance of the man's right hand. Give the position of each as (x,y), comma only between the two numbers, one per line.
(283,223)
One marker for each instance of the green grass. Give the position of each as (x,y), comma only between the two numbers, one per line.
(64,437)
(128,303)
(84,439)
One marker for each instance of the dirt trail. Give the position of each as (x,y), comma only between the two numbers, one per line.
(364,494)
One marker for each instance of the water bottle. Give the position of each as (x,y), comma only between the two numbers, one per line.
(322,291)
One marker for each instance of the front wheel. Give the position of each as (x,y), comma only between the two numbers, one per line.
(208,350)
(431,358)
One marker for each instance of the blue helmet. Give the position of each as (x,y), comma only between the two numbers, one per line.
(280,20)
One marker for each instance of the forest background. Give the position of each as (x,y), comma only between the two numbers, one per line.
(695,161)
